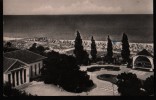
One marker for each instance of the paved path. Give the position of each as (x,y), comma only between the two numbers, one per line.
(103,88)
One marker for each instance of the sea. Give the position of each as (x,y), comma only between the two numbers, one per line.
(138,27)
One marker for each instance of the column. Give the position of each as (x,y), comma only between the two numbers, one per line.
(11,80)
(19,78)
(23,76)
(152,64)
(15,79)
(33,70)
(134,58)
(36,69)
(27,75)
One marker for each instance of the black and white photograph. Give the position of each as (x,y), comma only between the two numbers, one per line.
(78,48)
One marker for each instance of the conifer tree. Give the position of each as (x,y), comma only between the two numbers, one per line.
(125,52)
(109,50)
(78,51)
(93,49)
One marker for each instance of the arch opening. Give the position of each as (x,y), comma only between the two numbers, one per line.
(142,62)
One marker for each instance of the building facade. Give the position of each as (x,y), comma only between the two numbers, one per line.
(21,66)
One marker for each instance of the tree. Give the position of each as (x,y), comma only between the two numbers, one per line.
(79,52)
(40,50)
(93,49)
(8,44)
(149,85)
(62,70)
(33,47)
(37,49)
(128,84)
(9,47)
(125,52)
(109,50)
(85,60)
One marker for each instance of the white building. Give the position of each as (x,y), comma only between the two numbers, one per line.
(20,66)
(143,60)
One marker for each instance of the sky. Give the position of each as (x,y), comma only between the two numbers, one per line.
(59,7)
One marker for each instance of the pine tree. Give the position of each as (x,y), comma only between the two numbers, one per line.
(93,49)
(125,52)
(78,51)
(109,50)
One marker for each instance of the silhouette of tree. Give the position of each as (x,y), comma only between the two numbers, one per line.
(8,44)
(37,49)
(128,84)
(149,85)
(33,47)
(62,70)
(93,49)
(125,52)
(9,47)
(109,51)
(40,50)
(81,55)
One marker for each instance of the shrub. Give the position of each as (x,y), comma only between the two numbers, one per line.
(148,85)
(128,84)
(9,91)
(63,70)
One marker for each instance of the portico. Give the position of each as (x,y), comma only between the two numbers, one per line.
(18,77)
(20,66)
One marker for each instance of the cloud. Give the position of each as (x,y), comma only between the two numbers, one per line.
(84,7)
(31,7)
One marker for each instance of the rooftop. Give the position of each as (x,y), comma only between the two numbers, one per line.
(145,53)
(24,56)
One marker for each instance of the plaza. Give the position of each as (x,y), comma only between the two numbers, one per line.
(102,88)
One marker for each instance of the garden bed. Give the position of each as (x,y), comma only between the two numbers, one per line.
(108,77)
(98,68)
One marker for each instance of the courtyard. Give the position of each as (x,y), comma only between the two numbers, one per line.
(102,88)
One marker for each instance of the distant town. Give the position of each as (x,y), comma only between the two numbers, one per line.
(77,67)
(63,46)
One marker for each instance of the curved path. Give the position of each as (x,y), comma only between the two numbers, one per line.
(103,88)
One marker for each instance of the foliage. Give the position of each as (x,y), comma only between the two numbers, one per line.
(109,55)
(33,47)
(149,85)
(9,91)
(129,65)
(62,70)
(82,56)
(128,84)
(9,47)
(125,52)
(37,49)
(98,68)
(8,44)
(93,50)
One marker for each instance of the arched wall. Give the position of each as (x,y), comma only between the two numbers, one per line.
(148,57)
